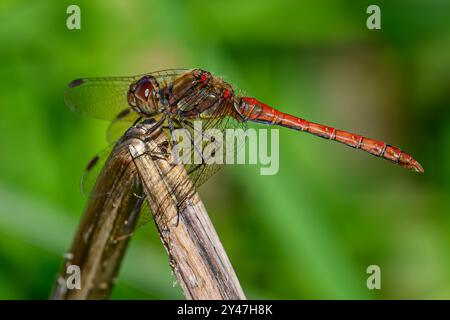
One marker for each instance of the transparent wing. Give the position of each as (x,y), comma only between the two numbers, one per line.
(104,98)
(93,169)
(89,179)
(145,216)
(121,123)
(222,150)
(223,119)
(199,173)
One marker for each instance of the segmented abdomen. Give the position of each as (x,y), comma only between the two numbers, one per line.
(254,110)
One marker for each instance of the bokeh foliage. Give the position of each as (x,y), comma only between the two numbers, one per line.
(308,232)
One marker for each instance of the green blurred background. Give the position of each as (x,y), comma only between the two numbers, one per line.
(308,232)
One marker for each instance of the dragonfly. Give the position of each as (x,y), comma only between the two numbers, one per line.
(176,98)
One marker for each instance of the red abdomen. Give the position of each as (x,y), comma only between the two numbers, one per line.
(256,111)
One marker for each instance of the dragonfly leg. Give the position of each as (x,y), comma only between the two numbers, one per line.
(171,129)
(157,124)
(136,121)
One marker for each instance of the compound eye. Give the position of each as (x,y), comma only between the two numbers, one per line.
(143,89)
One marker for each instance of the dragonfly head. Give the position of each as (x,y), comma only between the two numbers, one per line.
(143,95)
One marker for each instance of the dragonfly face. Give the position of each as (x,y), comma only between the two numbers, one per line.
(197,90)
(143,96)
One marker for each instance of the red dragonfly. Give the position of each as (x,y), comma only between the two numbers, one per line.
(176,98)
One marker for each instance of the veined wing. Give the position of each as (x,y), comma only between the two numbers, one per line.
(201,172)
(198,173)
(120,124)
(93,169)
(104,98)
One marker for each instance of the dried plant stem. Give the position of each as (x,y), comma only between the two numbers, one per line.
(103,233)
(142,160)
(195,252)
